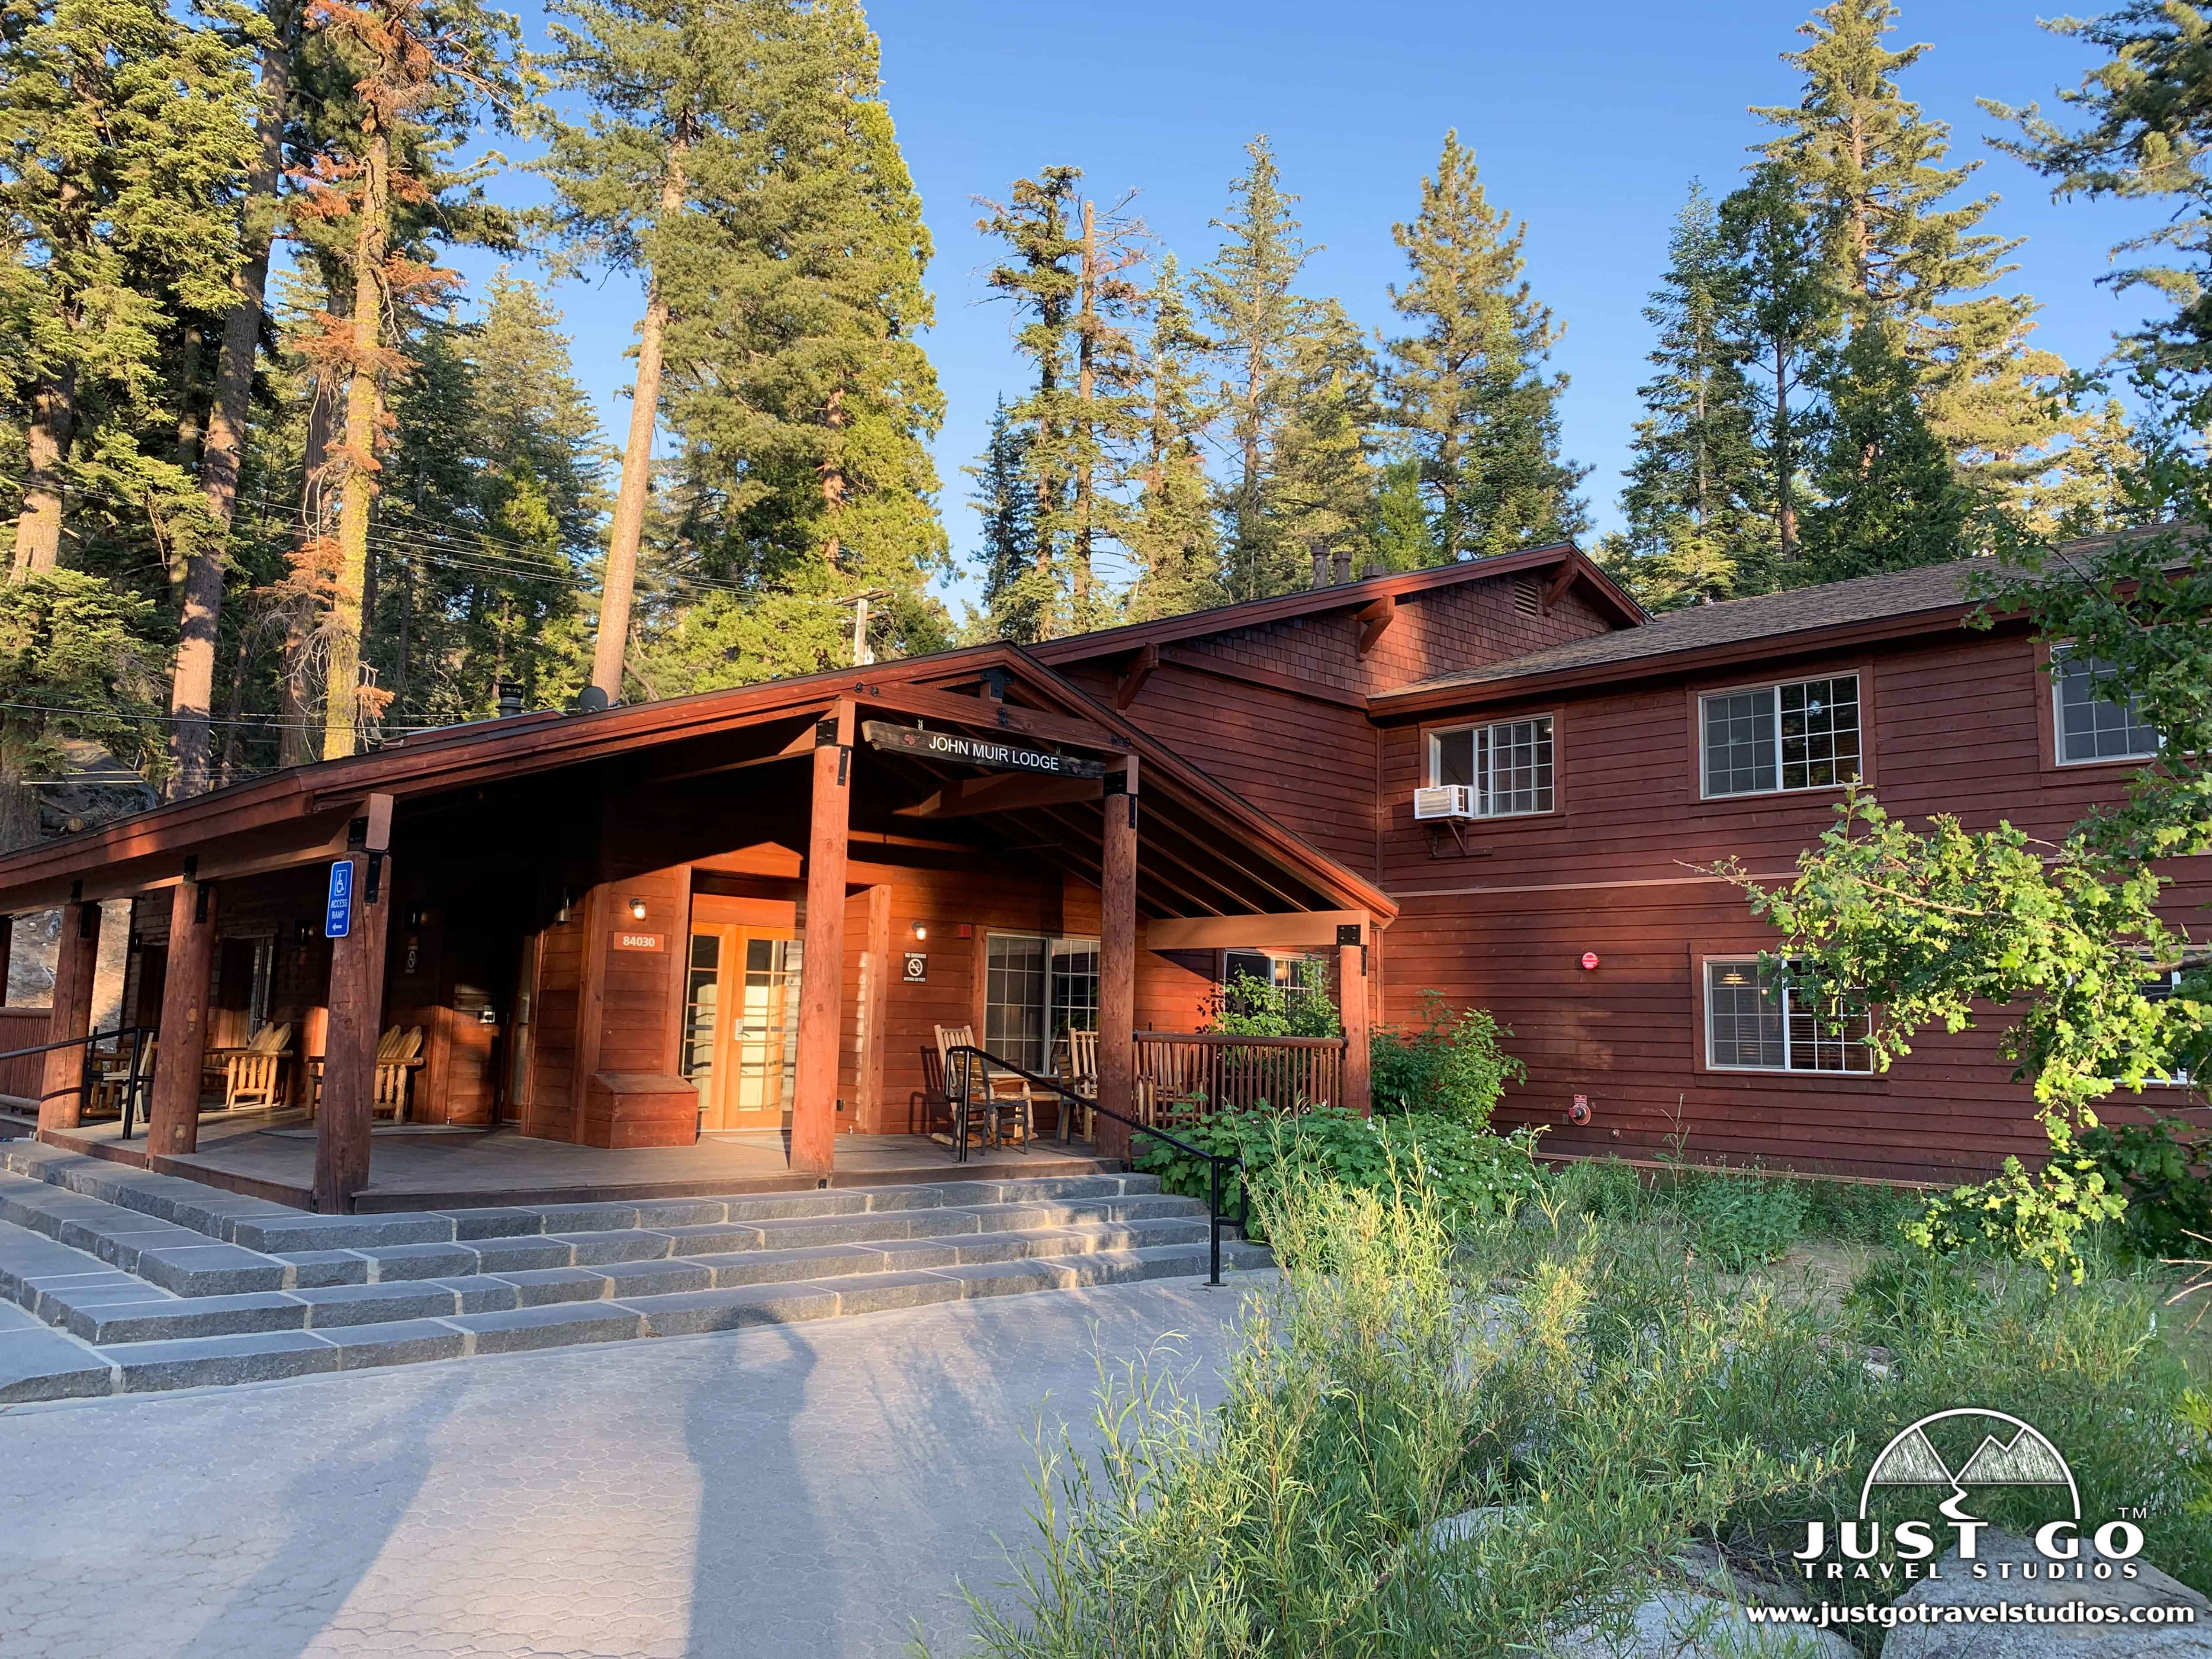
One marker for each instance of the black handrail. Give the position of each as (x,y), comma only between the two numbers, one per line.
(136,1079)
(1215,1162)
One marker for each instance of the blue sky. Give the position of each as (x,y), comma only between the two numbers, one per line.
(1588,122)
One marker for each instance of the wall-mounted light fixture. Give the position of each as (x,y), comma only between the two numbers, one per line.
(637,910)
(922,930)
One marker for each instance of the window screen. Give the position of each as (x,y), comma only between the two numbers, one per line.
(1803,734)
(1757,1020)
(2091,726)
(1508,764)
(1037,991)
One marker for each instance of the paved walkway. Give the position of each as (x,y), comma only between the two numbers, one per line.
(788,1491)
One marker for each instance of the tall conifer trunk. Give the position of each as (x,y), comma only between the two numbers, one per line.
(364,418)
(1086,392)
(629,527)
(191,691)
(46,445)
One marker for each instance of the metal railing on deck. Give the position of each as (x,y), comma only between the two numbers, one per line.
(967,1088)
(127,1072)
(1191,1074)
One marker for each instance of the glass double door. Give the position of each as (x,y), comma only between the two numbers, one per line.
(741,1012)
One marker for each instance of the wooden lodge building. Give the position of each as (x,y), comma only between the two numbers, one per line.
(746,913)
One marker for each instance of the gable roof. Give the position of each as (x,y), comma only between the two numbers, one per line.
(1344,595)
(290,817)
(1937,590)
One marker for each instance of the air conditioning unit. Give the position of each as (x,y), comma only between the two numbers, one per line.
(1445,800)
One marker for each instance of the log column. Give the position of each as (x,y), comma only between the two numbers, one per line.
(7,954)
(173,1121)
(822,966)
(1352,944)
(61,1090)
(356,1018)
(1117,960)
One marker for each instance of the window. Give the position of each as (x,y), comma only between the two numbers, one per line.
(2162,989)
(2090,726)
(1757,1021)
(1036,991)
(1769,738)
(1508,764)
(1286,971)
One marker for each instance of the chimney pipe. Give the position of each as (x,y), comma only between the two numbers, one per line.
(1319,569)
(1343,557)
(510,700)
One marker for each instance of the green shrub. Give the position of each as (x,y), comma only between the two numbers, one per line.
(1250,1007)
(2158,1166)
(1445,1064)
(1856,1212)
(1603,1187)
(1469,1173)
(1610,1402)
(1738,1221)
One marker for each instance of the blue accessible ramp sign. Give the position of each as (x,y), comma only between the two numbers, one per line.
(337,911)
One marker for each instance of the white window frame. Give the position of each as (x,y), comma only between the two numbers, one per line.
(2183,1078)
(2060,655)
(1705,790)
(1706,999)
(1482,790)
(1052,947)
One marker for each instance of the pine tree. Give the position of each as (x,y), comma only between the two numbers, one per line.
(1785,319)
(2148,110)
(424,74)
(124,136)
(222,454)
(2092,491)
(1468,385)
(1403,538)
(802,397)
(1043,280)
(1005,498)
(1170,531)
(1867,164)
(1693,487)
(1246,299)
(1321,498)
(1889,499)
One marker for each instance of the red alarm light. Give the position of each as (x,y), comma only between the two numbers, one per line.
(1590,958)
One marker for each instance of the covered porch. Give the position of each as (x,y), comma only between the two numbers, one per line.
(608,930)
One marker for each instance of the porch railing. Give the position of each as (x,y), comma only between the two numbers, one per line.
(1183,1075)
(125,1073)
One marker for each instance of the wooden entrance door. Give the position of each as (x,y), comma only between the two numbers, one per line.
(741,1011)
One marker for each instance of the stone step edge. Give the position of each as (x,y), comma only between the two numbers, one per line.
(267,1356)
(264,1312)
(257,1224)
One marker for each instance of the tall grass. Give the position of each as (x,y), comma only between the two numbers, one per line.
(1604,1397)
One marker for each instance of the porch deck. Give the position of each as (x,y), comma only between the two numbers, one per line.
(271,1155)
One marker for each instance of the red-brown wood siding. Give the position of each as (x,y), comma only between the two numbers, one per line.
(1956,726)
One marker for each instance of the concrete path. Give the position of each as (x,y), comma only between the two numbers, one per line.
(791,1491)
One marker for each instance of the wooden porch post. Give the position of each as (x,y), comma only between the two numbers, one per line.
(173,1119)
(7,954)
(1352,944)
(61,1091)
(1117,960)
(356,1018)
(822,968)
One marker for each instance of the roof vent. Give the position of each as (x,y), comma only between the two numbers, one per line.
(1527,597)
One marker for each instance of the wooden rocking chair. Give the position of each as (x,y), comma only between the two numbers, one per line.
(1002,1094)
(1082,1078)
(254,1075)
(398,1057)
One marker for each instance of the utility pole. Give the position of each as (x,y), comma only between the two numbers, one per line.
(862,653)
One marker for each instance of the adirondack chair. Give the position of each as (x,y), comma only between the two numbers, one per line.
(113,1077)
(1083,1078)
(998,1094)
(398,1057)
(254,1075)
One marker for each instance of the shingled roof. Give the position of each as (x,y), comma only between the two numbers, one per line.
(1770,615)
